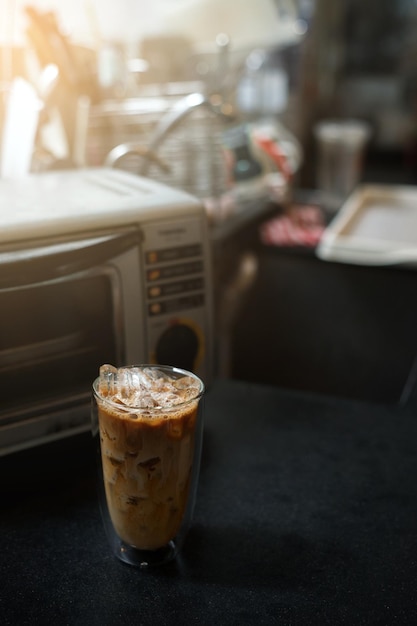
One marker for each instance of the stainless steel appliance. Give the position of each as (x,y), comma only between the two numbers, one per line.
(96,265)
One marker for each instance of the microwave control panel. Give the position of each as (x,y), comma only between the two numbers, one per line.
(177,294)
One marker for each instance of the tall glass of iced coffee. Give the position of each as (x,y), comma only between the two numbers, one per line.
(148,423)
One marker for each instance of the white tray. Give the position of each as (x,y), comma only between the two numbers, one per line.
(377,225)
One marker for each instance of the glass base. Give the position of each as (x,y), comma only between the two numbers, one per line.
(144,558)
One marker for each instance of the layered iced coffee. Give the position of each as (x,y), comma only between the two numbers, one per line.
(147,419)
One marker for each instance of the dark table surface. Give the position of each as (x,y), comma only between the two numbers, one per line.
(306,514)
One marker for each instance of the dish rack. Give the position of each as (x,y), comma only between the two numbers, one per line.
(175,140)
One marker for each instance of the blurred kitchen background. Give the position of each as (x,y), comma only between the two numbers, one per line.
(297,61)
(223,98)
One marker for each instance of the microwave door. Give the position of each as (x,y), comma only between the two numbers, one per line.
(61,317)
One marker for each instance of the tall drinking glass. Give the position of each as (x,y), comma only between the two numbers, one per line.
(148,424)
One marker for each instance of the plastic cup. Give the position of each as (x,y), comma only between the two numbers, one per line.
(340,150)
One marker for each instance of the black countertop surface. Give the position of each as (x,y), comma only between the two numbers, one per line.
(306,514)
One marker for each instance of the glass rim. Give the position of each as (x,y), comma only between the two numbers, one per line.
(153,409)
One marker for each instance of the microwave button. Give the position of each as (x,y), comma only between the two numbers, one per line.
(168,255)
(155,291)
(175,305)
(151,257)
(174,271)
(153,275)
(178,287)
(156,308)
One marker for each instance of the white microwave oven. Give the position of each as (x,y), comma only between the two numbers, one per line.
(96,266)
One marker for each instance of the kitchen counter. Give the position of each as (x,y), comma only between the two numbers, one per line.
(306,514)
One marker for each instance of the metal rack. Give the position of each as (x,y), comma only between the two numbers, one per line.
(176,139)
